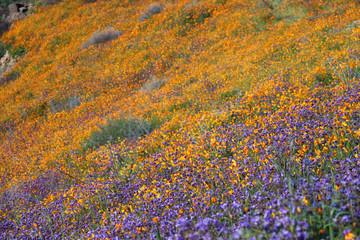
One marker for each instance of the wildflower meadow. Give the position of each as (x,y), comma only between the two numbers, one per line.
(181,119)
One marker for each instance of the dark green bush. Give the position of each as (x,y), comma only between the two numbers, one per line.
(38,110)
(192,15)
(16,51)
(5,3)
(324,79)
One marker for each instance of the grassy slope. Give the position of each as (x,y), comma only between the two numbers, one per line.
(220,60)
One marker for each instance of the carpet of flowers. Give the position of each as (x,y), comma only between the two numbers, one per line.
(255,142)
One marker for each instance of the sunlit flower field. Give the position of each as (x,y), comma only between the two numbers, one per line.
(182,119)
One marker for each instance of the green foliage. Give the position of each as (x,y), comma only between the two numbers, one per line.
(190,18)
(228,95)
(121,128)
(179,106)
(57,42)
(29,95)
(192,15)
(13,51)
(325,79)
(356,70)
(5,3)
(222,2)
(17,51)
(38,110)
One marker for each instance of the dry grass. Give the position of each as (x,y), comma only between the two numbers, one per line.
(153,9)
(153,83)
(102,37)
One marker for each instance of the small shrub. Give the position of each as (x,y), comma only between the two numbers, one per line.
(153,9)
(16,52)
(153,83)
(325,79)
(102,37)
(39,110)
(119,128)
(193,14)
(64,104)
(5,3)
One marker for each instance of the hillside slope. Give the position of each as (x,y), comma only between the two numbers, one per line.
(219,118)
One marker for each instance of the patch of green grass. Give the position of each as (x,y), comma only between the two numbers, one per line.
(325,79)
(179,106)
(17,51)
(222,2)
(228,95)
(192,16)
(29,95)
(121,128)
(38,110)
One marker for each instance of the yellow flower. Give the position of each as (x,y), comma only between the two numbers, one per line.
(349,236)
(156,219)
(305,201)
(357,132)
